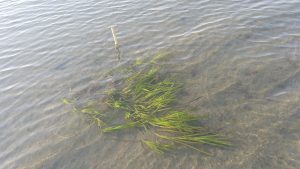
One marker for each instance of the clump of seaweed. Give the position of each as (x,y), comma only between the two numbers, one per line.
(145,100)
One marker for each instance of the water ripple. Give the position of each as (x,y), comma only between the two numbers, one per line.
(240,51)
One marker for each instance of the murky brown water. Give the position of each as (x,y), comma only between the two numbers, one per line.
(240,58)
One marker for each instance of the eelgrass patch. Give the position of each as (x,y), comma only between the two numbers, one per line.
(146,100)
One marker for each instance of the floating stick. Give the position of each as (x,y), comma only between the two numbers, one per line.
(118,53)
(113,31)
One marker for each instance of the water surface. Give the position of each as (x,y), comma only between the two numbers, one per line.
(240,58)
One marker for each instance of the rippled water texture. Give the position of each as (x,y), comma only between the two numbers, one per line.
(241,59)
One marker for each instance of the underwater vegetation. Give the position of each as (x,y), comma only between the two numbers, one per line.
(146,100)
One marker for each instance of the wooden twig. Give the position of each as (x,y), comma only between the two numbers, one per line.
(118,53)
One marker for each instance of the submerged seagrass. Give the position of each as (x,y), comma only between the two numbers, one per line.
(146,99)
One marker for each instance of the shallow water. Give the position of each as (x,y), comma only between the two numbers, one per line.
(239,58)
